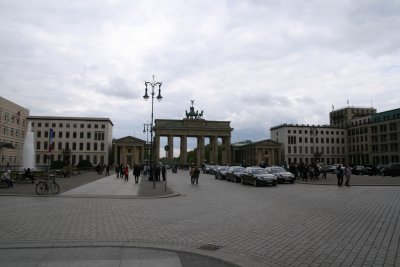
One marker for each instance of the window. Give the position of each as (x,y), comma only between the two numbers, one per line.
(67,125)
(59,146)
(103,126)
(88,135)
(39,134)
(102,146)
(74,135)
(88,146)
(37,145)
(60,134)
(67,134)
(45,145)
(81,146)
(81,135)
(73,146)
(46,125)
(95,146)
(82,126)
(39,124)
(46,134)
(60,125)
(89,126)
(96,126)
(53,125)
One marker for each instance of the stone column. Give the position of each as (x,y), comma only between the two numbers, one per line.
(228,150)
(224,154)
(115,154)
(142,153)
(215,149)
(183,154)
(135,155)
(156,148)
(200,150)
(123,155)
(171,149)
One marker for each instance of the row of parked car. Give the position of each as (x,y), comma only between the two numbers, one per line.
(383,170)
(256,176)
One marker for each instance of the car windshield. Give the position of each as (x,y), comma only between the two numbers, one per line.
(257,171)
(238,170)
(277,170)
(224,168)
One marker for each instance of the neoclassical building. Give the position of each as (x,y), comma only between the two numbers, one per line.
(256,153)
(129,150)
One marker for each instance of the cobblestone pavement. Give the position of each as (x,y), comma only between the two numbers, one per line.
(288,225)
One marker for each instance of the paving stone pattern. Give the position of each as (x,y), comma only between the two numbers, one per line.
(287,225)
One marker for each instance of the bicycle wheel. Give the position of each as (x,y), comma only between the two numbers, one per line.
(54,188)
(40,188)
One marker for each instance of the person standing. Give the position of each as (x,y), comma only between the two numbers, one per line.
(163,172)
(136,173)
(339,175)
(107,170)
(29,175)
(196,173)
(347,173)
(191,173)
(126,172)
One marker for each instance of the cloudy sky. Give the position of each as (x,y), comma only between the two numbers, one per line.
(254,63)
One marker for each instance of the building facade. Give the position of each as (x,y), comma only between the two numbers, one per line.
(357,136)
(265,152)
(13,127)
(384,137)
(129,150)
(310,143)
(74,139)
(342,117)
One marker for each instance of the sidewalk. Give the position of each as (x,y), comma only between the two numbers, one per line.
(356,180)
(90,184)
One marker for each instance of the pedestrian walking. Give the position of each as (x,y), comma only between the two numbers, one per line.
(136,173)
(121,171)
(191,173)
(126,172)
(196,173)
(163,172)
(347,173)
(117,170)
(339,175)
(107,170)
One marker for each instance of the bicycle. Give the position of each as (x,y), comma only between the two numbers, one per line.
(46,186)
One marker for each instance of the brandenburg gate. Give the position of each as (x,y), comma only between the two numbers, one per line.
(194,126)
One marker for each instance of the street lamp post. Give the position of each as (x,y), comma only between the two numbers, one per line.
(146,129)
(146,97)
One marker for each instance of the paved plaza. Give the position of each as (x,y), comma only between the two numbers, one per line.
(216,223)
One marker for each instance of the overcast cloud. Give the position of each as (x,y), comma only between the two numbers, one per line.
(254,63)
